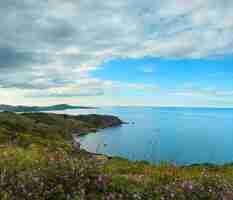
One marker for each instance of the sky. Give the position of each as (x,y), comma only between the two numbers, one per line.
(117,53)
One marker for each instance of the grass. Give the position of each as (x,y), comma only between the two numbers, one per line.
(38,163)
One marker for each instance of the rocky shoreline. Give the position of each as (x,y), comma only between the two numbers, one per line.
(103,121)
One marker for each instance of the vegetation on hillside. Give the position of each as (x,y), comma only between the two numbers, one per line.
(37,162)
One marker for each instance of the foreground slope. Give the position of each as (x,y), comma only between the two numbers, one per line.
(37,161)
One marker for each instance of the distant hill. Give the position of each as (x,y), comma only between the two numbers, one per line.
(11,108)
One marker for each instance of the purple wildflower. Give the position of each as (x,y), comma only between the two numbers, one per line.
(100,178)
(187,185)
(110,196)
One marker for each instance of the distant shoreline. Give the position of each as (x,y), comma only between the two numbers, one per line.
(59,107)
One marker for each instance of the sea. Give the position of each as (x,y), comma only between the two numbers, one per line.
(181,136)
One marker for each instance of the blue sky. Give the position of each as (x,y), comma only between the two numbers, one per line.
(178,82)
(117,53)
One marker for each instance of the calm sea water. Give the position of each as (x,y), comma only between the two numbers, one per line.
(177,135)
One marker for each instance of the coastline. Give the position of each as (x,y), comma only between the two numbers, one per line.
(88,125)
(76,143)
(35,152)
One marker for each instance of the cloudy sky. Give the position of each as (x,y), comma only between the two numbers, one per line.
(124,52)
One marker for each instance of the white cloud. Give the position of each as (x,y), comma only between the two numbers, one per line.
(89,87)
(69,51)
(55,44)
(204,92)
(146,69)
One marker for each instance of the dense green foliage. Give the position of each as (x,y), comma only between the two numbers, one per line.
(37,162)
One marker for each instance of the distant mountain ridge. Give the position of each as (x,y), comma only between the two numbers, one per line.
(19,108)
